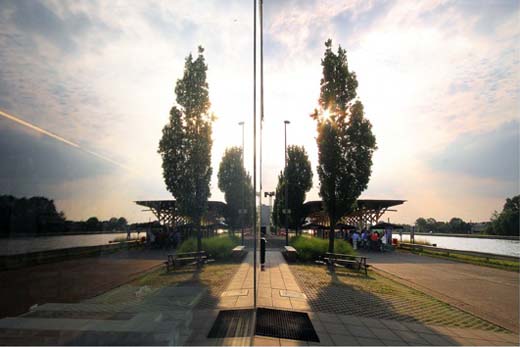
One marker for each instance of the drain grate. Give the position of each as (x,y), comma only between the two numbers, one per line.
(285,324)
(233,323)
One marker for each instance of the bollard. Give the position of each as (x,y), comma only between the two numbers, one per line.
(263,241)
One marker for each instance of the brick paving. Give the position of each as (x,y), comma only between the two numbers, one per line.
(345,292)
(332,329)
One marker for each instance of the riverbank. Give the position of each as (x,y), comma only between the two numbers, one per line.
(476,236)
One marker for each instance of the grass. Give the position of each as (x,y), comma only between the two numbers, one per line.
(311,248)
(209,275)
(218,247)
(346,292)
(495,263)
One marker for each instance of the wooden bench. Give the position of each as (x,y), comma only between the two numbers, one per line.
(189,258)
(356,262)
(289,253)
(238,252)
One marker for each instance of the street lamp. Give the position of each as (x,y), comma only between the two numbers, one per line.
(270,195)
(243,211)
(286,210)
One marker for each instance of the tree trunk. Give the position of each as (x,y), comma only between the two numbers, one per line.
(199,242)
(331,238)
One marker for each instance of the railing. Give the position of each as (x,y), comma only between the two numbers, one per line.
(447,252)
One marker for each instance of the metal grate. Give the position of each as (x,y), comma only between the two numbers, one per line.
(233,323)
(285,324)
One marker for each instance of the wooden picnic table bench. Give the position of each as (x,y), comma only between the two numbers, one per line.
(238,252)
(356,262)
(179,259)
(289,253)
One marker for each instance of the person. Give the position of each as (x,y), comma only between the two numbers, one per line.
(374,240)
(355,239)
(364,237)
(128,234)
(383,241)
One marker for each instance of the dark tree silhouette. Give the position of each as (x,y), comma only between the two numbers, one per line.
(298,176)
(345,139)
(185,146)
(235,183)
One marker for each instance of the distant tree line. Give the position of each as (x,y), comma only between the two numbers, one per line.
(455,225)
(38,215)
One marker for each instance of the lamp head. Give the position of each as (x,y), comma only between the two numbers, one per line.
(240,123)
(287,122)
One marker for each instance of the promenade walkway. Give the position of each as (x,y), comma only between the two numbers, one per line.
(279,289)
(489,293)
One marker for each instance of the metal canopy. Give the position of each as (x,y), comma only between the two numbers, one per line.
(367,212)
(168,215)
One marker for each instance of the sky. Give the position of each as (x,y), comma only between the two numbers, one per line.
(86,87)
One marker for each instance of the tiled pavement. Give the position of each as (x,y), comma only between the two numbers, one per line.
(277,281)
(169,316)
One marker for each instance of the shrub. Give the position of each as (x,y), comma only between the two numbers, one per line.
(218,247)
(311,248)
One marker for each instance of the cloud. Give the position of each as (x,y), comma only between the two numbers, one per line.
(493,154)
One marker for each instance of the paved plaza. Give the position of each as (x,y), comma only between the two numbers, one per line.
(180,308)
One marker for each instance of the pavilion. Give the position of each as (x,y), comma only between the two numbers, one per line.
(367,213)
(169,217)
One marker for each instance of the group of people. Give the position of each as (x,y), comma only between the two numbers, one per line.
(369,239)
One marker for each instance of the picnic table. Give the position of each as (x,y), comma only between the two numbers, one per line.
(189,258)
(335,259)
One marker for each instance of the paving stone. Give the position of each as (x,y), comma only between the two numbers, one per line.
(344,340)
(361,331)
(384,333)
(437,340)
(363,341)
(335,328)
(265,341)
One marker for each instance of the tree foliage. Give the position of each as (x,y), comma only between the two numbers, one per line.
(185,146)
(345,139)
(235,183)
(455,225)
(507,221)
(298,177)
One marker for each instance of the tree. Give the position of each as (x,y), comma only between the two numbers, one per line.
(92,224)
(298,176)
(235,183)
(507,221)
(185,146)
(345,140)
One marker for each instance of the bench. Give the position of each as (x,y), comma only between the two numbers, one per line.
(356,262)
(238,252)
(289,253)
(189,258)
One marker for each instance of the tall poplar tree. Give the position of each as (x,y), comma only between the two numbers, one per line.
(345,139)
(185,146)
(298,177)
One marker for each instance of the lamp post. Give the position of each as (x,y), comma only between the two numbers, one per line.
(286,210)
(243,211)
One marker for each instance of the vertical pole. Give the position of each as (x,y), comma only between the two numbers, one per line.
(261,18)
(254,153)
(242,214)
(286,191)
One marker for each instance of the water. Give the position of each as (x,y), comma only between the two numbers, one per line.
(45,243)
(495,246)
